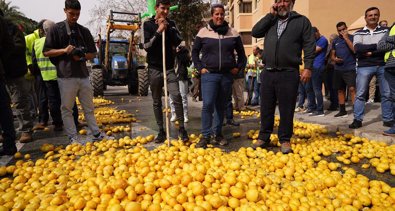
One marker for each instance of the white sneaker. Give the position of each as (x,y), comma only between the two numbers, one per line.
(173,118)
(186,119)
(102,136)
(370,101)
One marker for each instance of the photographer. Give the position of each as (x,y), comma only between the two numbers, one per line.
(69,45)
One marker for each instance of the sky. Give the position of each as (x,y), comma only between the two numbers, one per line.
(51,9)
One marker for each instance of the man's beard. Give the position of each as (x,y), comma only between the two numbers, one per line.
(285,13)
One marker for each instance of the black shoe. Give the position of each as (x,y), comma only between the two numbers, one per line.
(308,111)
(355,124)
(203,143)
(221,140)
(58,128)
(232,122)
(388,124)
(317,113)
(182,133)
(10,151)
(341,114)
(332,108)
(161,137)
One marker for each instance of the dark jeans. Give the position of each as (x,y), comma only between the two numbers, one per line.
(255,96)
(54,102)
(156,83)
(42,92)
(215,92)
(281,87)
(333,97)
(6,120)
(306,90)
(317,87)
(390,77)
(228,113)
(251,81)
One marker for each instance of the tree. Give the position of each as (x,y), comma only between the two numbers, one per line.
(189,18)
(100,12)
(13,14)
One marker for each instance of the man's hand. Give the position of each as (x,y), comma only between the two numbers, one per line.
(274,8)
(162,22)
(234,71)
(203,71)
(69,49)
(344,34)
(338,60)
(305,75)
(368,54)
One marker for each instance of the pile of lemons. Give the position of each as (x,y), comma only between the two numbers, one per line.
(123,175)
(110,115)
(98,101)
(246,114)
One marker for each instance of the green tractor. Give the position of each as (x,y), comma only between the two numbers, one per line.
(118,62)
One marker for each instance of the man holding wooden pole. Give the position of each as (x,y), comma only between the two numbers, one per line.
(154,29)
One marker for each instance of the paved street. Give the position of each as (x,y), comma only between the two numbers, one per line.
(146,125)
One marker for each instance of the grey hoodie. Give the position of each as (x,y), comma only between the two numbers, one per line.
(285,52)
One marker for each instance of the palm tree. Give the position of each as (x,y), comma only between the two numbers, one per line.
(13,14)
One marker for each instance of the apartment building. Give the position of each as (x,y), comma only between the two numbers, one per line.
(324,14)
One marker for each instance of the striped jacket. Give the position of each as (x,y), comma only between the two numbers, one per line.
(366,41)
(218,51)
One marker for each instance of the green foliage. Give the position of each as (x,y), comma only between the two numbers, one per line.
(189,17)
(12,13)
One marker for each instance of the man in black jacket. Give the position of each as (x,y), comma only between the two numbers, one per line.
(6,120)
(15,69)
(153,29)
(286,34)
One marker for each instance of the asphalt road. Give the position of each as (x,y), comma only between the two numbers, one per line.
(141,107)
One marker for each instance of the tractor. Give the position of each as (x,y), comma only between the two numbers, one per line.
(118,62)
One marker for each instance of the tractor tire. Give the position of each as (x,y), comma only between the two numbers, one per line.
(143,81)
(97,82)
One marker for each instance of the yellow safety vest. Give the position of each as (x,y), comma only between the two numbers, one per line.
(251,60)
(29,39)
(387,55)
(47,69)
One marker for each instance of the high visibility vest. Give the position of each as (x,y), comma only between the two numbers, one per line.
(387,55)
(47,69)
(251,60)
(30,39)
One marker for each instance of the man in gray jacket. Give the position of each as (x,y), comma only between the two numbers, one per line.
(286,34)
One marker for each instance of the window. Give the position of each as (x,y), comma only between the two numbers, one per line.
(246,38)
(245,7)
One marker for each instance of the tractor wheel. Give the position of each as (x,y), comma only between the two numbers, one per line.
(143,82)
(97,82)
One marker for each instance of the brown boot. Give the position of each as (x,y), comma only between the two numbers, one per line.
(25,138)
(39,126)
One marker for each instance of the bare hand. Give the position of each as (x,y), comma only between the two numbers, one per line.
(69,49)
(367,54)
(344,34)
(162,22)
(338,60)
(305,75)
(273,9)
(203,71)
(234,71)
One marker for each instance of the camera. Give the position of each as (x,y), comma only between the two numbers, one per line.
(79,52)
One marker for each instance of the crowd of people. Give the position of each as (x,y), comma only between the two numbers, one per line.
(295,62)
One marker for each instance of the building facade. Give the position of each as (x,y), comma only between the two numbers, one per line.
(324,14)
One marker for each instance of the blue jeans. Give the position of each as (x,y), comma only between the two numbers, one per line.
(316,80)
(255,96)
(390,77)
(364,74)
(215,89)
(251,82)
(306,90)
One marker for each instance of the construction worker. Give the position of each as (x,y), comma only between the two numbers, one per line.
(33,77)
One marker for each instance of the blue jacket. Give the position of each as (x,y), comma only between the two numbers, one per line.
(217,51)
